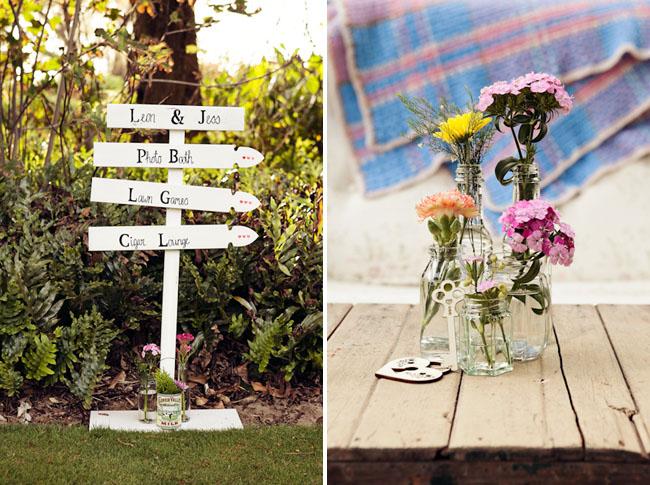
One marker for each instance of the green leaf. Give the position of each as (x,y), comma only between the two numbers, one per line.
(524,134)
(541,134)
(505,167)
(40,357)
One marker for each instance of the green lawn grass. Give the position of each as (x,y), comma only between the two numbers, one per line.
(54,454)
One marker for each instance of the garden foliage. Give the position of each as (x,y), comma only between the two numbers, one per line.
(66,312)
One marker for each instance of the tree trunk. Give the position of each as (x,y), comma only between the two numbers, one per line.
(177,35)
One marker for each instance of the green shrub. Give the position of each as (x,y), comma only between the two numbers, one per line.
(64,311)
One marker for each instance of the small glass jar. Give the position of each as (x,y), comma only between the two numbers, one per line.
(443,265)
(147,399)
(529,304)
(485,337)
(476,240)
(186,398)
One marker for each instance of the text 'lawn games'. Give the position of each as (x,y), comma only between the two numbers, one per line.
(172,196)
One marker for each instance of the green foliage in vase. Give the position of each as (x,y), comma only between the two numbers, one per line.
(165,384)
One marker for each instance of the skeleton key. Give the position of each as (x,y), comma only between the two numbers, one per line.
(448,295)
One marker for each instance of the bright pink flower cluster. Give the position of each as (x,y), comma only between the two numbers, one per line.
(537,82)
(153,349)
(535,225)
(185,337)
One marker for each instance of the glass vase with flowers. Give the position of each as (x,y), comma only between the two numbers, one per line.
(463,135)
(443,213)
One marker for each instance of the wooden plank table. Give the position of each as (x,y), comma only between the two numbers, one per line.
(581,413)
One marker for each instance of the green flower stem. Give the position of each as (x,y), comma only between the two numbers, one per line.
(505,340)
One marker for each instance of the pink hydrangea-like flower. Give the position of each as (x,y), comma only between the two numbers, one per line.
(185,337)
(534,225)
(451,203)
(536,82)
(153,349)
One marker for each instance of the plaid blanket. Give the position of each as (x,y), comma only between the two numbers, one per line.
(381,48)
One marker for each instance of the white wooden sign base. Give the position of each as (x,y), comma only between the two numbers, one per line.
(200,420)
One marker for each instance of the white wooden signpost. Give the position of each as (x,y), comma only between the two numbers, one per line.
(173,196)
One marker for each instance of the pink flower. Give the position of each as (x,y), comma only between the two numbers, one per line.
(567,229)
(451,203)
(535,240)
(534,225)
(185,337)
(181,385)
(474,259)
(153,349)
(516,242)
(486,285)
(536,82)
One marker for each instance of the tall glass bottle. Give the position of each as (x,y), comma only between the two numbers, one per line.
(443,265)
(530,303)
(525,182)
(476,240)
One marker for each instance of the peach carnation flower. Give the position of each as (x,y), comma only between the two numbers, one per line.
(451,203)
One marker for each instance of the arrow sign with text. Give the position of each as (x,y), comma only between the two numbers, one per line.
(168,117)
(154,194)
(172,196)
(165,155)
(153,238)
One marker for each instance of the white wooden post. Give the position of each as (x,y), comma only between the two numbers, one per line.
(170,274)
(172,196)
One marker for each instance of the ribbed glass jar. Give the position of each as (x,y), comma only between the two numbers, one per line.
(443,265)
(485,337)
(529,303)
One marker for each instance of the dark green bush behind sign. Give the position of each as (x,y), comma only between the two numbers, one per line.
(63,310)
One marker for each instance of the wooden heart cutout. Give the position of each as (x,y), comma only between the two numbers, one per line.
(410,369)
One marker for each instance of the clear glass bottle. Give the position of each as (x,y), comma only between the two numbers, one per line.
(443,265)
(485,337)
(147,399)
(525,182)
(476,240)
(529,304)
(186,398)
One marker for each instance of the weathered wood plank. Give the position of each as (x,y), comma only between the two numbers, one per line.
(526,413)
(359,347)
(406,421)
(628,327)
(599,394)
(336,312)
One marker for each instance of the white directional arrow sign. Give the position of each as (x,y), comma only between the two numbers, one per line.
(168,117)
(165,155)
(154,194)
(136,238)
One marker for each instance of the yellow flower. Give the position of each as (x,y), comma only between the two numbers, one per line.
(460,128)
